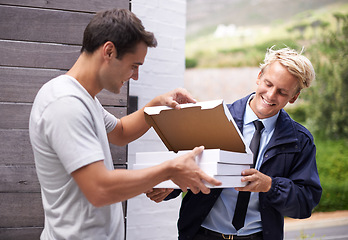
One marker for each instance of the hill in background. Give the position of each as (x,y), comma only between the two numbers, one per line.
(203,16)
(236,33)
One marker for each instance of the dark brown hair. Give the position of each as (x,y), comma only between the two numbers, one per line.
(120,26)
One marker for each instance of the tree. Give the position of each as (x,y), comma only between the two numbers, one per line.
(328,111)
(324,25)
(301,27)
(339,17)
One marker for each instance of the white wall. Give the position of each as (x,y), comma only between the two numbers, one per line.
(163,71)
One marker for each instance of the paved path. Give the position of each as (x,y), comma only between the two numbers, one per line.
(229,84)
(323,226)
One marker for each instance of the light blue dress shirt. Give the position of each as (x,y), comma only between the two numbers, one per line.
(220,217)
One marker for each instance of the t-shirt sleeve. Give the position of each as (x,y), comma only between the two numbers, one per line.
(71,133)
(110,121)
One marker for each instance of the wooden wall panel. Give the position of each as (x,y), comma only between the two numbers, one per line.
(42,25)
(19,179)
(39,40)
(16,116)
(38,55)
(15,212)
(19,84)
(27,233)
(15,147)
(76,5)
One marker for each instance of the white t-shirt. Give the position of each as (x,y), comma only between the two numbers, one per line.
(68,130)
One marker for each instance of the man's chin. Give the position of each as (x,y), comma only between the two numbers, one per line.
(115,91)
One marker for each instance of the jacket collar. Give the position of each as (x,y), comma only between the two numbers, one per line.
(284,131)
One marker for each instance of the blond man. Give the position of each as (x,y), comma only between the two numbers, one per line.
(284,180)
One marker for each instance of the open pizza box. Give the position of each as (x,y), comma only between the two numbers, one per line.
(207,124)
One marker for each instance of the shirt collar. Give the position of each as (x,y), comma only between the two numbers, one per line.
(250,116)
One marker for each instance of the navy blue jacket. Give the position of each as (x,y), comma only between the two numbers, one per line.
(289,160)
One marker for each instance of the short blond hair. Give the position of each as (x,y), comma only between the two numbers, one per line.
(297,64)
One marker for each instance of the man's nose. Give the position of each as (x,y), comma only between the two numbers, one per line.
(272,93)
(135,75)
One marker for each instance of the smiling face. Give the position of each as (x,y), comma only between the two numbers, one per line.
(276,88)
(118,71)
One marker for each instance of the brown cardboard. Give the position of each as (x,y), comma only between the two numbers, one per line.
(204,123)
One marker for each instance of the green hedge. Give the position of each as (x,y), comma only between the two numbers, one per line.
(191,62)
(332,161)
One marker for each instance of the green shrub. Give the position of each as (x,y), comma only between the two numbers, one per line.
(298,112)
(332,161)
(191,62)
(329,111)
(335,196)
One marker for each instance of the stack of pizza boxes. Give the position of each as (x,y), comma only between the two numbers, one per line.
(207,124)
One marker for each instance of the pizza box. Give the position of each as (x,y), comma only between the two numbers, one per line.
(207,156)
(207,124)
(210,168)
(228,181)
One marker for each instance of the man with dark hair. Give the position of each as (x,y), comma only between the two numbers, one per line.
(284,180)
(70,133)
(119,26)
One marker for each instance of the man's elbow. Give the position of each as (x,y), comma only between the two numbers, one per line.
(118,140)
(102,197)
(97,200)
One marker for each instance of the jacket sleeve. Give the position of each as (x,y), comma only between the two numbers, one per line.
(298,191)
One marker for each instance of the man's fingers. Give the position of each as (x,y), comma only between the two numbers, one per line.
(178,96)
(170,102)
(183,188)
(183,96)
(204,179)
(197,150)
(204,189)
(155,191)
(159,194)
(210,180)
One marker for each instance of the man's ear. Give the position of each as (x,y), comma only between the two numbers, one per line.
(294,98)
(258,78)
(109,50)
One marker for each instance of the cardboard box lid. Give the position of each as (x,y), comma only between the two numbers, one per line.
(204,123)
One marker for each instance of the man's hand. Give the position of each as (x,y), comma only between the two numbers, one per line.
(172,99)
(187,174)
(133,126)
(259,182)
(158,194)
